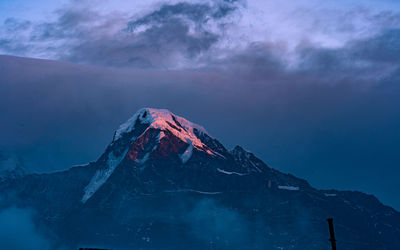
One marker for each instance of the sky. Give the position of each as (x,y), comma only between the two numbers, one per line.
(311,87)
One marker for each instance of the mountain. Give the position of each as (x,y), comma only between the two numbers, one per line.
(165,183)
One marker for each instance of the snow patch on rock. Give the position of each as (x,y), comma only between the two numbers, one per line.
(144,159)
(290,188)
(101,176)
(230,173)
(192,191)
(185,156)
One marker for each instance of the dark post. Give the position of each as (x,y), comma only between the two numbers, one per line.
(332,234)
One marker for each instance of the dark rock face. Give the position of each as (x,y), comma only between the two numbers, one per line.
(160,187)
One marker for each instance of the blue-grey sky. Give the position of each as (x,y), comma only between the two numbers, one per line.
(312,87)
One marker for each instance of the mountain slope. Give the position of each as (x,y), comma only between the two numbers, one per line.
(164,183)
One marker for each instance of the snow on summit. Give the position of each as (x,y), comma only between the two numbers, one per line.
(164,119)
(158,118)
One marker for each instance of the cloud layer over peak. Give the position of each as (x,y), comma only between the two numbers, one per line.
(194,34)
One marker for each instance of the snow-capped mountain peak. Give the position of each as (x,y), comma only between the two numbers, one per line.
(149,134)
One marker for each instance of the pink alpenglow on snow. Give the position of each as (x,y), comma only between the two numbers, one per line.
(163,120)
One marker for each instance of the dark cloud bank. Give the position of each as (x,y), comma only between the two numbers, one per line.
(157,39)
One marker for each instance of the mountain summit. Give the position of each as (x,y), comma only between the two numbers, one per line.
(164,183)
(168,131)
(155,134)
(150,134)
(162,119)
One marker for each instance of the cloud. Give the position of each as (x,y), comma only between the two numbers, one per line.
(182,35)
(18,231)
(197,13)
(163,38)
(217,225)
(372,57)
(154,47)
(13,24)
